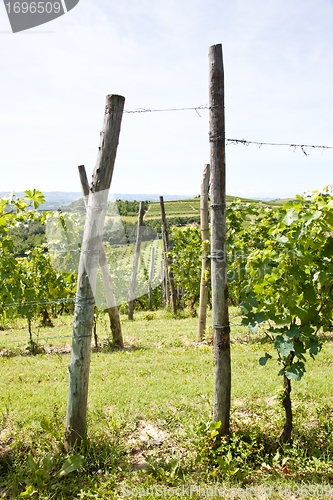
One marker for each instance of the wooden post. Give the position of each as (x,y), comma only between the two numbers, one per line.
(151,276)
(106,277)
(204,238)
(131,292)
(169,262)
(166,274)
(162,284)
(78,368)
(218,241)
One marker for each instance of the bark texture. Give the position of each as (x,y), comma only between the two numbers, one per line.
(285,435)
(113,310)
(168,260)
(131,293)
(218,242)
(84,304)
(204,228)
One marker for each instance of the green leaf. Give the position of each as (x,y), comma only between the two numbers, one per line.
(313,346)
(283,345)
(71,464)
(295,371)
(290,217)
(214,426)
(281,239)
(293,332)
(29,492)
(309,293)
(263,360)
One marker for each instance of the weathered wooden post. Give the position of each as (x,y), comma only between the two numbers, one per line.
(106,277)
(162,284)
(151,277)
(131,292)
(218,241)
(204,238)
(166,273)
(169,263)
(78,368)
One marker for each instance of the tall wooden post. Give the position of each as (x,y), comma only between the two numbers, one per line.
(131,292)
(106,277)
(78,368)
(166,273)
(204,228)
(151,277)
(162,283)
(169,263)
(218,241)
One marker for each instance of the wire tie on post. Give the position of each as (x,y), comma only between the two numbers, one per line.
(84,301)
(91,251)
(216,137)
(218,205)
(98,207)
(218,255)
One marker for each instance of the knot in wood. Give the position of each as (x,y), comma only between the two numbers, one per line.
(223,345)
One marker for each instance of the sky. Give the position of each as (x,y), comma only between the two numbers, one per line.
(278,63)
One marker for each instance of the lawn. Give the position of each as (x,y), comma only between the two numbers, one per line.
(149,408)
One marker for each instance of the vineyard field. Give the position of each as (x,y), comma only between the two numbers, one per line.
(145,407)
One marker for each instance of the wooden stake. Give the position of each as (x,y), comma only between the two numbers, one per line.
(169,262)
(204,238)
(162,284)
(218,241)
(106,277)
(78,368)
(151,277)
(166,274)
(131,293)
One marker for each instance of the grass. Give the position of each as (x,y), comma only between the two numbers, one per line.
(148,417)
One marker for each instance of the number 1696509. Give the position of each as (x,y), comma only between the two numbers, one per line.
(33,7)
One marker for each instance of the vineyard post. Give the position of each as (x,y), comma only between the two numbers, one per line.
(106,277)
(151,276)
(162,283)
(131,292)
(78,369)
(204,238)
(169,263)
(166,274)
(218,241)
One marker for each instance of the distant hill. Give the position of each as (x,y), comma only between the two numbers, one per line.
(56,199)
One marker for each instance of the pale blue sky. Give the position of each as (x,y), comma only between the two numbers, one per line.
(278,58)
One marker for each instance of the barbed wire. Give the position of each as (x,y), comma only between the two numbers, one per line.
(303,147)
(144,110)
(244,142)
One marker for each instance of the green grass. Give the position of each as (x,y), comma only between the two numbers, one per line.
(162,383)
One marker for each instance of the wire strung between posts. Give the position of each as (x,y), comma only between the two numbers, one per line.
(144,110)
(229,141)
(46,339)
(303,147)
(36,303)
